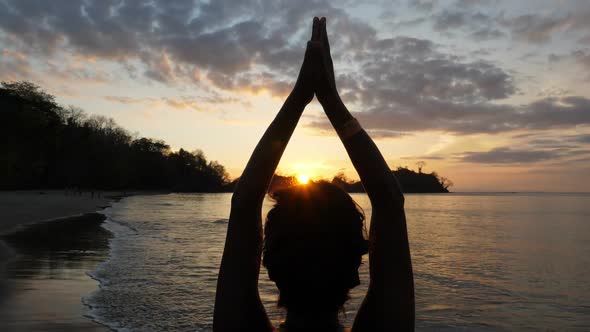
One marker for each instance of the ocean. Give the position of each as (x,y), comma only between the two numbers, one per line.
(497,262)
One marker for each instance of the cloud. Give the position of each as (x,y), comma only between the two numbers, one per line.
(401,84)
(525,149)
(473,3)
(536,29)
(449,20)
(256,45)
(124,99)
(410,22)
(426,157)
(477,25)
(408,84)
(506,155)
(14,65)
(488,23)
(540,29)
(423,5)
(171,39)
(553,92)
(534,148)
(585,139)
(486,33)
(553,141)
(199,103)
(324,128)
(405,113)
(415,66)
(385,134)
(582,57)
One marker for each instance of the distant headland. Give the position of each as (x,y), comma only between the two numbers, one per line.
(49,146)
(410,182)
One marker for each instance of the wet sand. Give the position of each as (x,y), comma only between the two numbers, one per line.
(18,208)
(49,243)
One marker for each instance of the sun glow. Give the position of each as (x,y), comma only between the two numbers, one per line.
(303,178)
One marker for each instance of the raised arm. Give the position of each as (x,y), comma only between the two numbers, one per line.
(389,303)
(237,302)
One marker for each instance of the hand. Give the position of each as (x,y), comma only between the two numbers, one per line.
(304,87)
(325,82)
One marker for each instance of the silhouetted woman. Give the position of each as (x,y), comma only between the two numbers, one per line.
(314,236)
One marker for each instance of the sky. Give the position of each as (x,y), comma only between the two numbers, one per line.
(494,95)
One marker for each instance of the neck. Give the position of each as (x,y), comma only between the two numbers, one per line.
(306,320)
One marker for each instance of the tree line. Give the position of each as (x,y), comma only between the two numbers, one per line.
(409,180)
(46,145)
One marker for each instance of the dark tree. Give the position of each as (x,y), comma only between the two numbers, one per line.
(46,145)
(420,165)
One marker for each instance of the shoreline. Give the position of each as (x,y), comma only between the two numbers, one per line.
(49,243)
(22,208)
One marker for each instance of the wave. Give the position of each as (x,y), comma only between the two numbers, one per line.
(95,309)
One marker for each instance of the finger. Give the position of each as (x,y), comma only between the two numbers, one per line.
(324,34)
(315,30)
(311,51)
(309,48)
(307,54)
(321,29)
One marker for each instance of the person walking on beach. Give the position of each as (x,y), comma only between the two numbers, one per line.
(314,236)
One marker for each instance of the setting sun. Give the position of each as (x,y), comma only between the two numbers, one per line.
(303,178)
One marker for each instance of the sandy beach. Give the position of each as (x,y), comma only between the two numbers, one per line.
(50,240)
(18,208)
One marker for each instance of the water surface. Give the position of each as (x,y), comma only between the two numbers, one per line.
(42,286)
(481,262)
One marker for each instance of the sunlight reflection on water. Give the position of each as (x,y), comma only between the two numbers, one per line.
(481,262)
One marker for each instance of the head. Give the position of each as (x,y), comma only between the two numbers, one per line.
(313,246)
